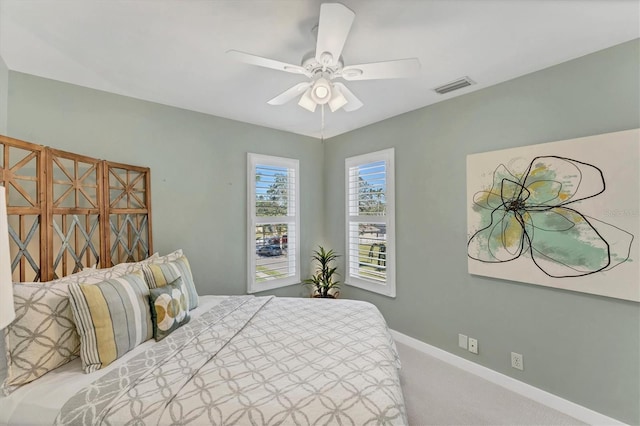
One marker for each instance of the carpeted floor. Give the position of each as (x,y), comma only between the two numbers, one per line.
(437,393)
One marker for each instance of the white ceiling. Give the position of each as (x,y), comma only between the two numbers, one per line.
(173,52)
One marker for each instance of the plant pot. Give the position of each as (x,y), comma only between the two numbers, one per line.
(333,295)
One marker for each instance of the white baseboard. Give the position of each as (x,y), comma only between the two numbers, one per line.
(543,397)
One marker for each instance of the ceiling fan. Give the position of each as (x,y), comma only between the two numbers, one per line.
(325,64)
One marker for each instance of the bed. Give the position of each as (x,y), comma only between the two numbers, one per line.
(75,358)
(240,360)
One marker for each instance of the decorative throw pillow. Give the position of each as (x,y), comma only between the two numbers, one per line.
(131,267)
(112,318)
(43,335)
(169,309)
(169,257)
(160,274)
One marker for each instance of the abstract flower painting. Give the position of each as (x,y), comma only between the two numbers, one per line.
(561,214)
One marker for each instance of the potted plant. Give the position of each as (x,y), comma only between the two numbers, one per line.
(323,280)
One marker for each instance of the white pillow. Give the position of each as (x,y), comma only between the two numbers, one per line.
(171,257)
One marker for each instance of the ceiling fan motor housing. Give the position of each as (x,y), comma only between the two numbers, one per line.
(310,63)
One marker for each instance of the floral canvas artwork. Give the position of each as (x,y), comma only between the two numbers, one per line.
(561,214)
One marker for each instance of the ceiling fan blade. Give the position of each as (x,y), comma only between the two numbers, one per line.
(333,29)
(290,93)
(353,103)
(267,63)
(400,68)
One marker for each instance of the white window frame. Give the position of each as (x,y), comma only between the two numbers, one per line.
(252,221)
(388,288)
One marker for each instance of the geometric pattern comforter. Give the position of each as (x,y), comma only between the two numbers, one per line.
(256,361)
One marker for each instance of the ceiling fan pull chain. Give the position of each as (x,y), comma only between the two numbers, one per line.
(322,124)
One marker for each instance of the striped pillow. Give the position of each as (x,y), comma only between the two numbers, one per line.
(43,336)
(112,318)
(160,274)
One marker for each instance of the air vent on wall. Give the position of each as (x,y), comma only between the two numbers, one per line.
(454,85)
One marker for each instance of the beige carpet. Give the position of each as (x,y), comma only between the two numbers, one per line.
(437,393)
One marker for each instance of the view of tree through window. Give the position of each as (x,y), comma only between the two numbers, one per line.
(274,209)
(371,189)
(368,240)
(271,191)
(369,215)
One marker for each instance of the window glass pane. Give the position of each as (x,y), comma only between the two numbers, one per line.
(274,191)
(275,251)
(368,250)
(367,189)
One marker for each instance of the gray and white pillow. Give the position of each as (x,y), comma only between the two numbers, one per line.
(113,317)
(43,336)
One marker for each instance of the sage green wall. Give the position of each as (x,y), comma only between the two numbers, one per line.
(198,168)
(581,347)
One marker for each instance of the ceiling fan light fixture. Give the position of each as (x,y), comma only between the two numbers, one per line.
(321,91)
(337,100)
(307,102)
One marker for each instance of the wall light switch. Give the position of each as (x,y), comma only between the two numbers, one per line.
(473,346)
(462,341)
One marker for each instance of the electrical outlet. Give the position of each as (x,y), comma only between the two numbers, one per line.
(473,346)
(462,341)
(516,361)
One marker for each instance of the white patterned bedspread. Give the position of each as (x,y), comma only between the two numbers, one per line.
(254,361)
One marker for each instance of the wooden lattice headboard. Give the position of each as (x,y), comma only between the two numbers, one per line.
(68,211)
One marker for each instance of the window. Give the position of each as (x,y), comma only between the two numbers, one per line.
(370,222)
(273,222)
